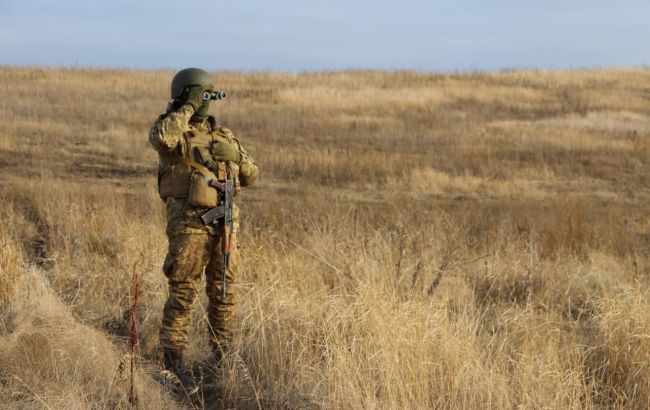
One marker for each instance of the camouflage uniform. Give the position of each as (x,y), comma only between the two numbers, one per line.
(193,247)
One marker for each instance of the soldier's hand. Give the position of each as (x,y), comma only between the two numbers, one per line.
(194,96)
(222,151)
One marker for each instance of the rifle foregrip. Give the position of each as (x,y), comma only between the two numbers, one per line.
(227,231)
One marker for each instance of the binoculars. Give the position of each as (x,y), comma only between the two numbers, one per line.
(214,95)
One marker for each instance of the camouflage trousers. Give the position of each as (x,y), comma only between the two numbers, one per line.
(189,257)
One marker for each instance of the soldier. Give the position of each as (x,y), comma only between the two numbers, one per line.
(193,152)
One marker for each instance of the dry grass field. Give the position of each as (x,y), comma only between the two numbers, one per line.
(415,241)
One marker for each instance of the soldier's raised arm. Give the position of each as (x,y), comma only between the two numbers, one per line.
(167,131)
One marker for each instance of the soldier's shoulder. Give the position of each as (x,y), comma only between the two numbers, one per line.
(160,118)
(227,134)
(221,130)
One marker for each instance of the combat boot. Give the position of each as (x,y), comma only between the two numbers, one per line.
(217,357)
(212,384)
(213,367)
(173,361)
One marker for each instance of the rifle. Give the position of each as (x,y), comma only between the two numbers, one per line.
(223,212)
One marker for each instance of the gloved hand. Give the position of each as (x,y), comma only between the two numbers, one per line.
(222,151)
(194,96)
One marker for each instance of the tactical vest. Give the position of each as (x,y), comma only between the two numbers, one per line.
(175,180)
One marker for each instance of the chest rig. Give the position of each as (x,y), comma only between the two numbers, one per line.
(176,169)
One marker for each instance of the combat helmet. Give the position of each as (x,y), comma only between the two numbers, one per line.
(188,77)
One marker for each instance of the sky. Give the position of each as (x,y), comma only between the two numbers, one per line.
(305,35)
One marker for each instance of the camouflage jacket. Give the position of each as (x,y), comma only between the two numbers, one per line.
(167,136)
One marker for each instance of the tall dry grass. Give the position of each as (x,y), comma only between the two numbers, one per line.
(417,240)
